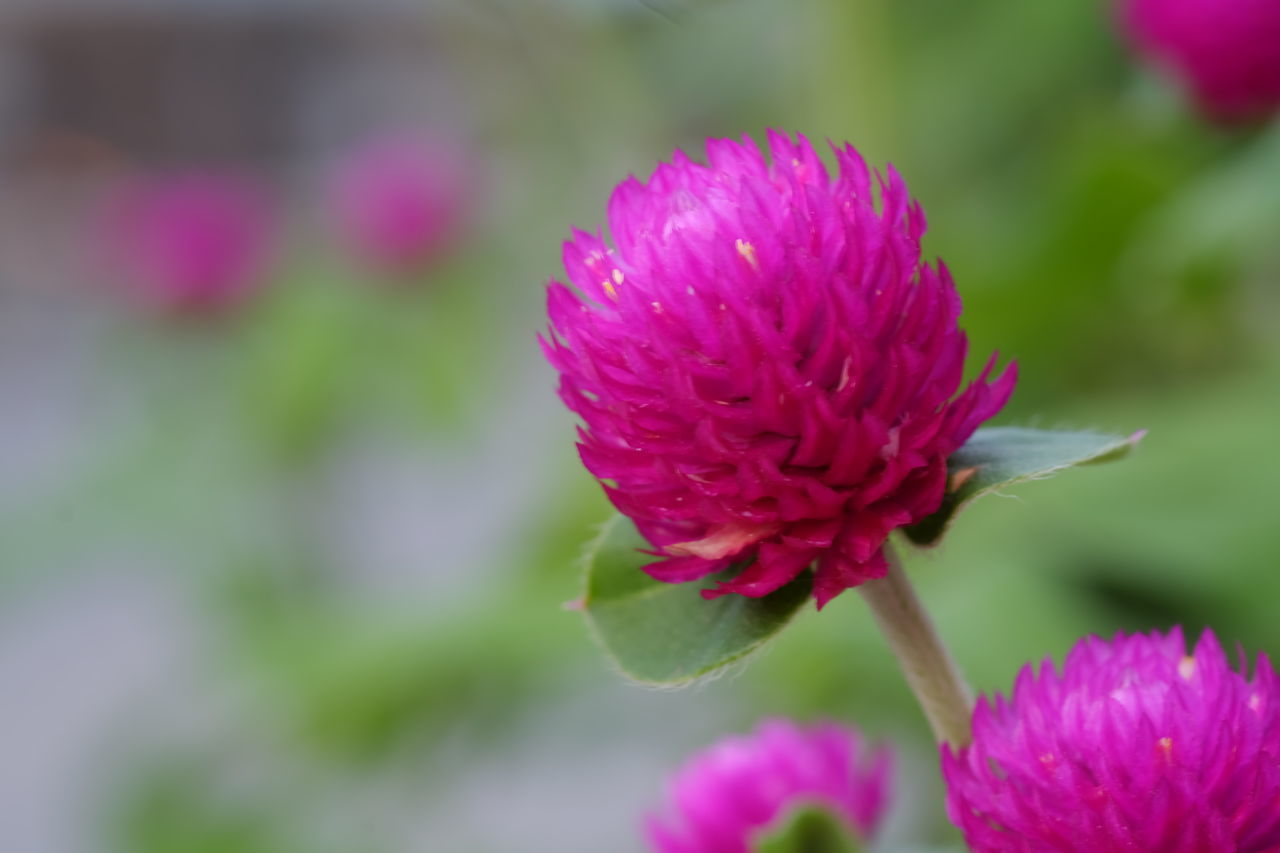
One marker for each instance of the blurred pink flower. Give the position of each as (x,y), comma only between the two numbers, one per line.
(1136,746)
(766,369)
(746,786)
(191,243)
(1227,52)
(400,201)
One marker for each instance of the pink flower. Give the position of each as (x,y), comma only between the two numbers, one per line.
(1227,52)
(746,786)
(193,243)
(399,202)
(764,365)
(1136,746)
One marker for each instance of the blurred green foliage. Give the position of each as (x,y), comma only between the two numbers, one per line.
(170,810)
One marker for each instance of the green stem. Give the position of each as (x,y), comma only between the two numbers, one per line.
(930,672)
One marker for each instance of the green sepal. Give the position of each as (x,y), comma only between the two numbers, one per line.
(668,634)
(995,457)
(809,830)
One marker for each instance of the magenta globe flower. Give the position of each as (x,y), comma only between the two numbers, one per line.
(193,243)
(399,202)
(746,786)
(1227,52)
(766,369)
(1135,746)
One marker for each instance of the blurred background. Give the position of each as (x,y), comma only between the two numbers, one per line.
(288,507)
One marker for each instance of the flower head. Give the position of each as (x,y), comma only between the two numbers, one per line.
(398,202)
(1227,52)
(191,243)
(745,786)
(766,369)
(1135,746)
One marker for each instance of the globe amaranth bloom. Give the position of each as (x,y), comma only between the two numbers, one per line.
(191,243)
(765,368)
(1135,746)
(746,786)
(1227,52)
(399,200)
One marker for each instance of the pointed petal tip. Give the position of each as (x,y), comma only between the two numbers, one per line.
(711,593)
(680,569)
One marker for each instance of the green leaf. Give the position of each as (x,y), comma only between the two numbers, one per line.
(667,634)
(809,830)
(1002,456)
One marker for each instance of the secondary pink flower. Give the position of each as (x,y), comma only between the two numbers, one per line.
(195,242)
(746,786)
(765,367)
(399,201)
(1227,52)
(1135,746)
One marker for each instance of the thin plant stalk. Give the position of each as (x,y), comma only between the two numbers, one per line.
(928,667)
